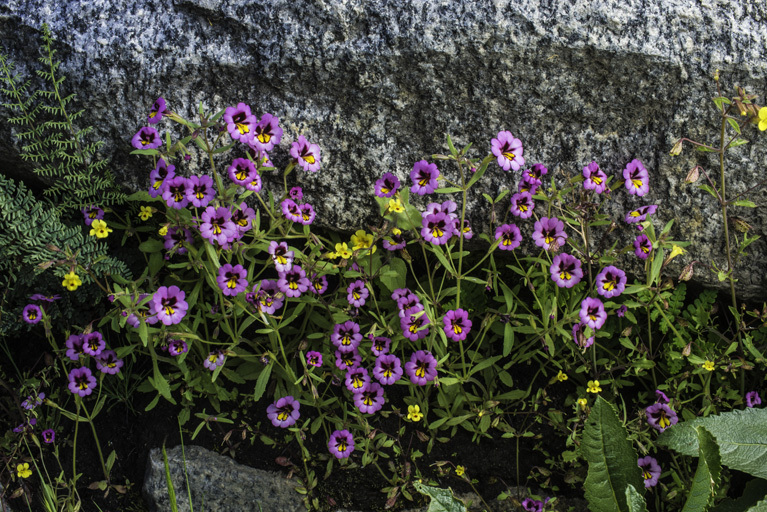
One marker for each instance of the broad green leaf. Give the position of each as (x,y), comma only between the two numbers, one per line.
(754,499)
(151,245)
(706,479)
(635,500)
(442,500)
(612,460)
(741,436)
(393,275)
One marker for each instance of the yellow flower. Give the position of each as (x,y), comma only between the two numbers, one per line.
(100,229)
(362,240)
(343,251)
(396,231)
(763,118)
(23,470)
(460,470)
(561,377)
(71,282)
(414,413)
(675,251)
(593,386)
(582,402)
(163,230)
(396,206)
(145,213)
(709,365)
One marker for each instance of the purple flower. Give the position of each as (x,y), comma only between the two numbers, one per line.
(357,380)
(414,326)
(621,311)
(281,255)
(341,444)
(387,185)
(217,225)
(242,171)
(399,293)
(267,133)
(159,176)
(347,360)
(146,138)
(243,217)
(532,505)
(661,416)
(174,193)
(75,346)
(437,228)
(637,178)
(594,178)
(313,358)
(93,344)
(200,191)
(240,122)
(424,176)
(319,284)
(232,279)
(642,247)
(752,399)
(346,336)
(661,397)
(509,235)
(380,346)
(45,298)
(407,302)
(49,436)
(178,238)
(284,412)
(81,381)
(214,360)
(640,214)
(526,186)
(593,313)
(371,400)
(466,232)
(268,298)
(549,231)
(158,109)
(650,471)
(457,324)
(307,214)
(533,175)
(611,282)
(92,213)
(296,193)
(522,205)
(307,155)
(357,293)
(107,362)
(169,304)
(566,270)
(254,185)
(32,314)
(388,369)
(421,368)
(33,401)
(508,151)
(293,282)
(579,336)
(291,210)
(176,347)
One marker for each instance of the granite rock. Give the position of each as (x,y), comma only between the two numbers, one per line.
(378,84)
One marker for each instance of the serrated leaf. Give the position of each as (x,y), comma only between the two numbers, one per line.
(635,501)
(741,436)
(442,500)
(612,460)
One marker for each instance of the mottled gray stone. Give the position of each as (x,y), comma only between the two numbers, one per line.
(377,85)
(218,484)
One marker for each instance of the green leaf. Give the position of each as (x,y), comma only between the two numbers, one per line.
(263,380)
(741,436)
(612,460)
(448,190)
(151,245)
(754,499)
(442,500)
(737,142)
(393,275)
(709,190)
(169,482)
(734,124)
(635,500)
(508,339)
(743,202)
(706,479)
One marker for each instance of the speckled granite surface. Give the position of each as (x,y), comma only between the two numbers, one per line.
(377,84)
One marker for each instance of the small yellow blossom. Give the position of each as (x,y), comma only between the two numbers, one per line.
(582,402)
(71,281)
(23,470)
(362,240)
(163,230)
(561,377)
(396,231)
(396,206)
(343,251)
(145,213)
(763,118)
(414,413)
(709,365)
(100,229)
(675,251)
(460,470)
(593,386)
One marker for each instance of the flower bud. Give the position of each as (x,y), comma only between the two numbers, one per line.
(687,272)
(677,149)
(740,225)
(693,175)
